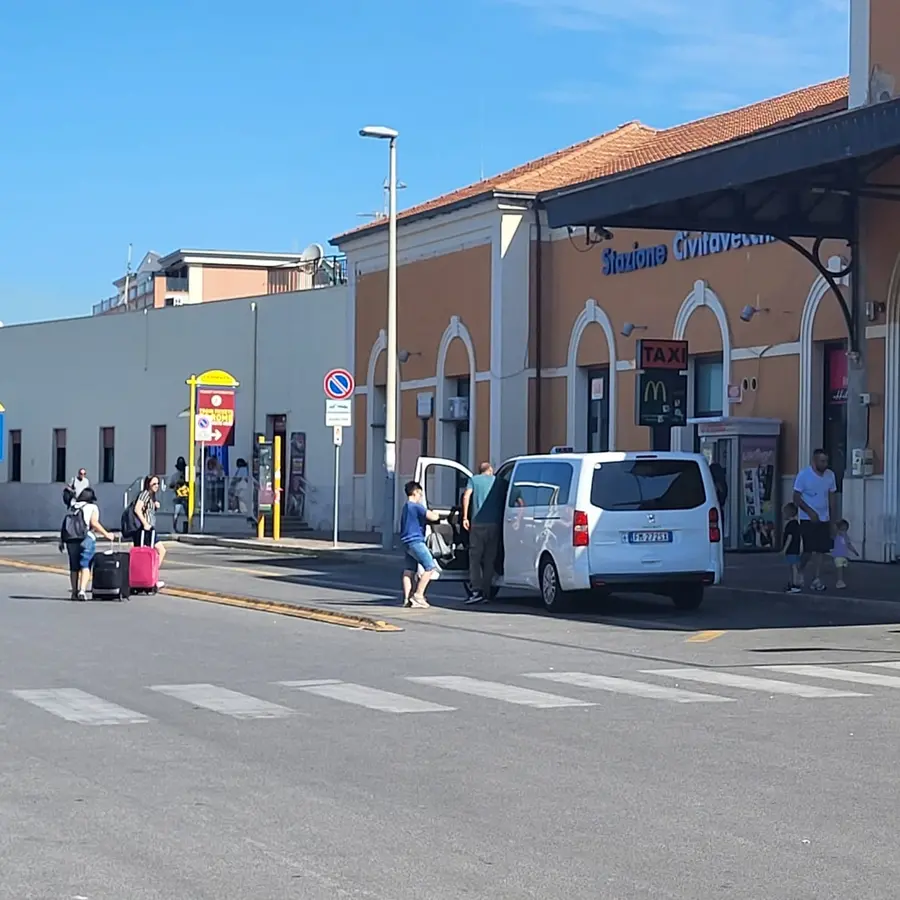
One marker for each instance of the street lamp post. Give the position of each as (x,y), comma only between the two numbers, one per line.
(390,412)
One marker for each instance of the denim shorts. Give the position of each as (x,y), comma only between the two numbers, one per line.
(418,554)
(792,560)
(81,553)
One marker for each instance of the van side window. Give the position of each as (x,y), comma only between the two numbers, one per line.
(523,489)
(555,484)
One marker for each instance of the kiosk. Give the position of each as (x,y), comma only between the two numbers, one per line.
(749,451)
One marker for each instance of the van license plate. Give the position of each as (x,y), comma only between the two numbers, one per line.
(649,537)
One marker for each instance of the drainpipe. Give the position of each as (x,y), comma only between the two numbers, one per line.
(538,325)
(255,309)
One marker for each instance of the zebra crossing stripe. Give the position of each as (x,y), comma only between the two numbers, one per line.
(221,700)
(747,682)
(495,690)
(371,698)
(80,707)
(872,678)
(625,686)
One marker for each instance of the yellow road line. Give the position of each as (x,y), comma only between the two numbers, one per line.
(311,613)
(702,637)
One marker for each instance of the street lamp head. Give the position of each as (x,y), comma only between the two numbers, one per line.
(378,131)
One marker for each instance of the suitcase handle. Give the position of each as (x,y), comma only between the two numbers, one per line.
(152,536)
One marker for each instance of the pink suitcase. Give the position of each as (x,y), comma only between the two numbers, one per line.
(144,570)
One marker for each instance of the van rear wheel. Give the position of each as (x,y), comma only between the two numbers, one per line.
(688,597)
(555,600)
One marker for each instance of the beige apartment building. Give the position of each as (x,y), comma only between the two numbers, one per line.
(185,277)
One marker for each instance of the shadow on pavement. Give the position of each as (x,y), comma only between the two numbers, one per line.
(720,611)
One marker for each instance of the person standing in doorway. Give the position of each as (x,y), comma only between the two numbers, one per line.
(814,496)
(482,517)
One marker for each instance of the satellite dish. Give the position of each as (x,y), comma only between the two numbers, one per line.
(313,253)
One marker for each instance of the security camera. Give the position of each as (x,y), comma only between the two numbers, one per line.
(627,329)
(747,313)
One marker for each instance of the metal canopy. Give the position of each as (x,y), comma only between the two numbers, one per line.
(800,181)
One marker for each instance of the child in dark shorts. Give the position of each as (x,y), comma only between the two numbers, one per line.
(792,548)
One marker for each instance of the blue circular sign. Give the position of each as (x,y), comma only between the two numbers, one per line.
(339,384)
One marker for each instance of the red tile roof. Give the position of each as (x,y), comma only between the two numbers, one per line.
(634,145)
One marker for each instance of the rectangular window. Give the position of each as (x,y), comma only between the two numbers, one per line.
(834,422)
(708,372)
(598,410)
(462,435)
(648,484)
(107,455)
(15,455)
(541,484)
(158,449)
(59,455)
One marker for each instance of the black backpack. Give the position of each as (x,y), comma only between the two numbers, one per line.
(130,524)
(74,528)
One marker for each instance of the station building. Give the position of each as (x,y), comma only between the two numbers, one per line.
(521,304)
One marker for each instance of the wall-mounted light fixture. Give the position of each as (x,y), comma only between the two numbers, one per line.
(404,355)
(629,327)
(748,312)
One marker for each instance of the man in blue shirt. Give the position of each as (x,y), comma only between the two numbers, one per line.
(483,504)
(413,518)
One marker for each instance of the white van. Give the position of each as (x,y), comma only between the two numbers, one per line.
(605,522)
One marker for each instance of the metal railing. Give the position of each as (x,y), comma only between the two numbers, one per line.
(308,275)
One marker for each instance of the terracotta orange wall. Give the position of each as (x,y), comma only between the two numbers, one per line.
(221,283)
(429,293)
(776,397)
(769,276)
(884,41)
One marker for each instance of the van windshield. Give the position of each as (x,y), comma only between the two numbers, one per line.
(648,484)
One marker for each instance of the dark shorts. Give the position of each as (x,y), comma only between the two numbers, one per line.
(792,559)
(145,538)
(81,553)
(816,536)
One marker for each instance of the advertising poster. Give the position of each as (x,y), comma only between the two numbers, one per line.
(296,494)
(759,519)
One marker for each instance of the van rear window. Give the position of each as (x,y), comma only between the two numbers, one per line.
(648,484)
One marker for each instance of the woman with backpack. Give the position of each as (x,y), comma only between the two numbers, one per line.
(78,537)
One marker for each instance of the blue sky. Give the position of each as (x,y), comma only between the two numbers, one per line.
(187,123)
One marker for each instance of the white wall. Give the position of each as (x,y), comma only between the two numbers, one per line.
(128,371)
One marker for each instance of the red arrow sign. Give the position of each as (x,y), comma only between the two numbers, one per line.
(217,405)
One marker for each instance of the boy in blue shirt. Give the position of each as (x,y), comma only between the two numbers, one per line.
(413,518)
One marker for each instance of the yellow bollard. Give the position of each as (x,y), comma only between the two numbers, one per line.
(276,500)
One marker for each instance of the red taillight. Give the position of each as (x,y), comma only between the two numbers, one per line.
(715,535)
(580,535)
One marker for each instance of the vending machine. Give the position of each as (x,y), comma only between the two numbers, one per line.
(749,452)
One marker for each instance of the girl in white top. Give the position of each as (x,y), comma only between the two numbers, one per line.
(81,553)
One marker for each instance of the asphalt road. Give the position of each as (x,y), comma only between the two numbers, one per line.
(169,748)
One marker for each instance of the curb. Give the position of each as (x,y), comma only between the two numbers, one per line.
(29,539)
(378,557)
(311,613)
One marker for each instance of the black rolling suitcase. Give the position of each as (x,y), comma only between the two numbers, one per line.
(110,579)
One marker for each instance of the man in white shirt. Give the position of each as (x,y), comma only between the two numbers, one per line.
(76,486)
(814,496)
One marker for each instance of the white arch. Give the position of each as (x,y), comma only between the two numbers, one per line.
(703,295)
(819,289)
(456,330)
(891,508)
(372,451)
(591,313)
